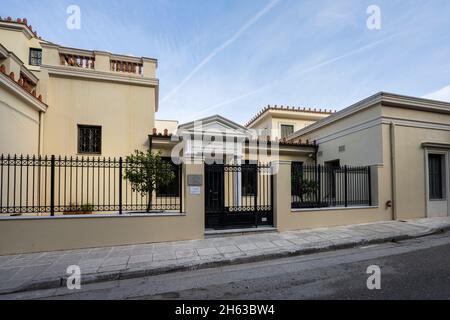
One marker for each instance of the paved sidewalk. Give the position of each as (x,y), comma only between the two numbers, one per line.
(48,269)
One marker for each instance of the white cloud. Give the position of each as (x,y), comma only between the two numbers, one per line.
(441,94)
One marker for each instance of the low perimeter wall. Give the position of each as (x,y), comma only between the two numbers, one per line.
(37,234)
(296,219)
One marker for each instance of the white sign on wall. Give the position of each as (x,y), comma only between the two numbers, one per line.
(194,190)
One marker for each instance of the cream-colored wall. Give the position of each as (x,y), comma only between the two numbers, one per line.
(19,129)
(410,173)
(125,112)
(22,235)
(273,119)
(364,147)
(367,137)
(17,42)
(363,144)
(170,125)
(340,126)
(290,219)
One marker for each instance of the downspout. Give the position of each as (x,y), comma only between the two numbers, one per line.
(316,151)
(150,143)
(393,171)
(41,133)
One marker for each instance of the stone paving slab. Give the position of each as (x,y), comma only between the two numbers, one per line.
(47,270)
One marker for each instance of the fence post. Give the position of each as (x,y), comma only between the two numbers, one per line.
(256,195)
(319,187)
(345,186)
(52,186)
(120,185)
(180,185)
(370,185)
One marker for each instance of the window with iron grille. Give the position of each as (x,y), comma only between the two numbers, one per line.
(35,57)
(173,188)
(249,179)
(436,169)
(296,177)
(286,130)
(89,139)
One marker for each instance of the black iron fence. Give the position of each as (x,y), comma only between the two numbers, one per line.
(238,195)
(317,186)
(75,185)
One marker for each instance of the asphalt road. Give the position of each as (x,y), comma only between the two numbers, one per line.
(412,269)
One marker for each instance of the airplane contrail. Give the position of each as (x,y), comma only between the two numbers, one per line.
(222,47)
(312,68)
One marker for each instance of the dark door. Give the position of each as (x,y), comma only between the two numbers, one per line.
(331,168)
(214,194)
(238,196)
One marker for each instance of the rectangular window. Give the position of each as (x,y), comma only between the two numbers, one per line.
(286,130)
(89,139)
(296,177)
(436,176)
(35,57)
(248,178)
(173,188)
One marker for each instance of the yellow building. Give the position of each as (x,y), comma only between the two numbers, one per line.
(406,138)
(283,121)
(65,101)
(386,157)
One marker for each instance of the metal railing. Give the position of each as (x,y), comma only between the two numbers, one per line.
(317,186)
(238,195)
(47,185)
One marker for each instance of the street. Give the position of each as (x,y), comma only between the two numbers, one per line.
(411,269)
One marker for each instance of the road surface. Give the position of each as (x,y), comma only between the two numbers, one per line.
(411,269)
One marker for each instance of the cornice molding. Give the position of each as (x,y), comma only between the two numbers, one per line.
(435,145)
(73,72)
(21,93)
(386,121)
(17,27)
(308,113)
(5,53)
(385,99)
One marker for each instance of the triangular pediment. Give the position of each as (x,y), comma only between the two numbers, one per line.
(213,124)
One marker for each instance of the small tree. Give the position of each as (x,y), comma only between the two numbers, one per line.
(147,172)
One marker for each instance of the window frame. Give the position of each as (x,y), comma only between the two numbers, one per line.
(443,174)
(286,125)
(295,191)
(245,192)
(39,59)
(177,180)
(85,126)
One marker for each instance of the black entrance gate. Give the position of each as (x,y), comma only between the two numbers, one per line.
(238,196)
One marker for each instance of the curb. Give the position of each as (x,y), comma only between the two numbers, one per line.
(325,246)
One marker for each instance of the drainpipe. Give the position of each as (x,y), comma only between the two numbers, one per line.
(41,133)
(150,142)
(316,151)
(393,171)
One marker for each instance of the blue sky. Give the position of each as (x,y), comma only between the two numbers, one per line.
(234,57)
